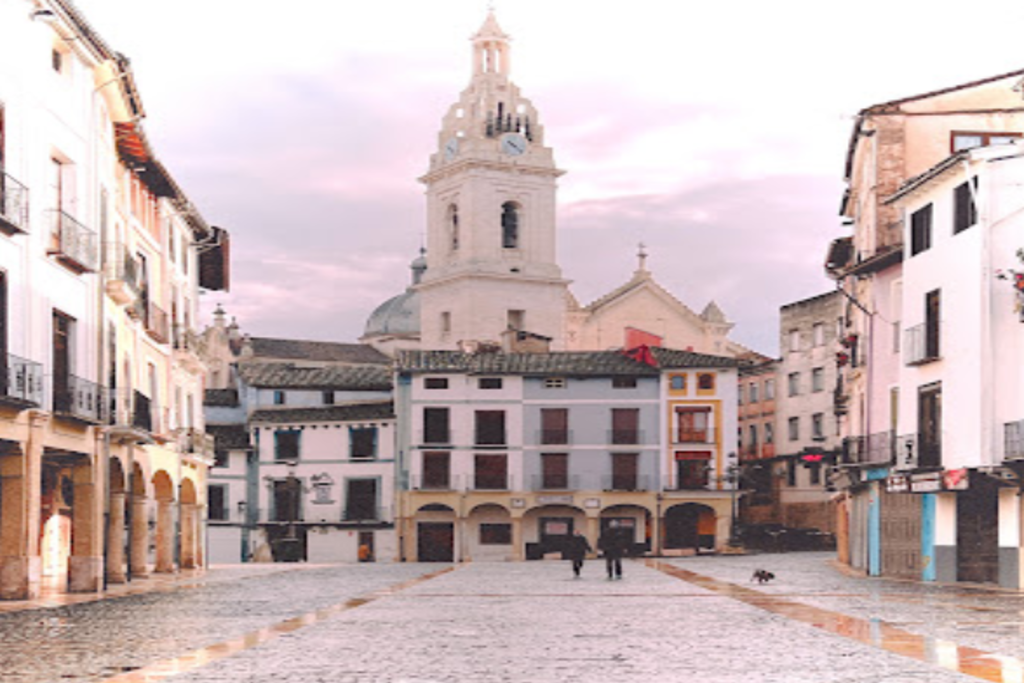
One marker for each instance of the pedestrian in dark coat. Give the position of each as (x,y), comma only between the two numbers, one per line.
(613,545)
(576,549)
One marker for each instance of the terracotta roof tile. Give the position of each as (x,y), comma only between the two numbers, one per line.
(341,377)
(350,412)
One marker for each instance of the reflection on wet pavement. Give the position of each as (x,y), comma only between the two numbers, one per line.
(986,666)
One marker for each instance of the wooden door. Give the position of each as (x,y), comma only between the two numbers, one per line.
(977,532)
(61,362)
(901,535)
(435,541)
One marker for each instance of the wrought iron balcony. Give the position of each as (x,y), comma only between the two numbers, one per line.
(1013,440)
(121,270)
(554,437)
(80,399)
(556,482)
(21,383)
(625,482)
(363,513)
(73,244)
(192,440)
(921,344)
(435,482)
(874,449)
(157,323)
(688,436)
(185,338)
(13,205)
(624,437)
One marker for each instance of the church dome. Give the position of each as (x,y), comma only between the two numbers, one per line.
(399,315)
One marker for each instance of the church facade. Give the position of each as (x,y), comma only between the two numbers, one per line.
(491,262)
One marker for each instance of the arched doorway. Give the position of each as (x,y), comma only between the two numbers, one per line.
(435,533)
(690,525)
(489,533)
(634,523)
(547,528)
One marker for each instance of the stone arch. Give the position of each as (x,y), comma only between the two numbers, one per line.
(434,533)
(546,528)
(489,533)
(690,525)
(633,521)
(435,507)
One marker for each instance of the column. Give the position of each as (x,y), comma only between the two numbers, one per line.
(20,471)
(518,547)
(164,537)
(188,536)
(85,570)
(115,539)
(593,530)
(657,542)
(140,537)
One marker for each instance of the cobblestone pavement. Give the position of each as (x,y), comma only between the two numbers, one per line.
(684,619)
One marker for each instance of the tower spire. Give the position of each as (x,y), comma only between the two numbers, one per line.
(491,48)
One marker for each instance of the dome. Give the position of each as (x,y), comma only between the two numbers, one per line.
(399,315)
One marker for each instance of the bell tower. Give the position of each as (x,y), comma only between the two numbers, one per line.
(491,185)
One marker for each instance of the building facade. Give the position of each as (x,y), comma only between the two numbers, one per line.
(103,457)
(504,455)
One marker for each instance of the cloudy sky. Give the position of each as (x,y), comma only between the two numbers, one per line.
(715,132)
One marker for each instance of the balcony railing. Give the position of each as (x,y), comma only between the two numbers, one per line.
(1013,435)
(874,449)
(122,273)
(490,482)
(433,483)
(192,440)
(80,398)
(185,338)
(921,344)
(72,243)
(686,436)
(554,437)
(626,483)
(158,324)
(13,205)
(624,437)
(21,382)
(913,451)
(363,514)
(550,482)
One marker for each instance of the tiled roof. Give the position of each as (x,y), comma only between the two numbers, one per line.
(229,437)
(564,363)
(300,349)
(225,398)
(341,377)
(352,412)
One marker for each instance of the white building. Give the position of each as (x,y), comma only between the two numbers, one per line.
(960,425)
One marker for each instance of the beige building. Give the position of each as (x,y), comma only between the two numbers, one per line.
(102,452)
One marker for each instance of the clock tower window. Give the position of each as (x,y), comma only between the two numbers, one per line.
(453,225)
(510,225)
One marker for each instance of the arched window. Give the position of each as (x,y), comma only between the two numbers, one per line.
(453,225)
(509,225)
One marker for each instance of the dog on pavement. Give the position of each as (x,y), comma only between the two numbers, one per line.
(762,576)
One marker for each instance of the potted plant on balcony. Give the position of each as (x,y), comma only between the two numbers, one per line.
(1016,278)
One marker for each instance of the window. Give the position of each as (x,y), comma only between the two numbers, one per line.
(516,319)
(554,470)
(932,306)
(435,425)
(794,383)
(446,323)
(753,438)
(490,428)
(819,334)
(753,392)
(624,471)
(328,398)
(625,425)
(57,60)
(554,383)
(286,445)
(921,230)
(492,533)
(965,213)
(692,469)
(436,470)
(794,340)
(961,140)
(554,425)
(361,499)
(678,383)
(769,389)
(623,382)
(453,226)
(220,458)
(791,472)
(794,428)
(509,225)
(769,432)
(818,426)
(705,382)
(817,379)
(929,425)
(435,383)
(217,502)
(693,425)
(739,394)
(490,471)
(63,340)
(815,473)
(489,383)
(362,442)
(279,398)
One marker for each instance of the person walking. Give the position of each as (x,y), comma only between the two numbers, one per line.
(576,549)
(613,545)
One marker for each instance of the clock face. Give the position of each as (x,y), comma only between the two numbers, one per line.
(513,144)
(451,148)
